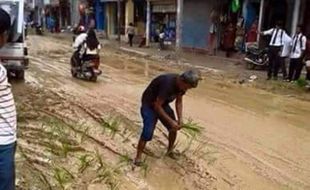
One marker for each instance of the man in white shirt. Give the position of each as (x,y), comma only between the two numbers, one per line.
(285,53)
(297,54)
(7,116)
(277,34)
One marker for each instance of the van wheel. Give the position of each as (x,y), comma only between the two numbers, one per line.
(73,73)
(20,75)
(93,79)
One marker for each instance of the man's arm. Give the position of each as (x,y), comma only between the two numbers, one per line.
(79,40)
(267,32)
(161,112)
(179,109)
(3,78)
(303,46)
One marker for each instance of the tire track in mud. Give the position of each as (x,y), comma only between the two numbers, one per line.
(264,166)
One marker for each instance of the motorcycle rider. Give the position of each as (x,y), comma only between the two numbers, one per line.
(77,45)
(87,46)
(92,47)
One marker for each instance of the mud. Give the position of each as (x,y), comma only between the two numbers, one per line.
(252,138)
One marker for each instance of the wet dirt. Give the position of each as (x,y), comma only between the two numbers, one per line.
(252,138)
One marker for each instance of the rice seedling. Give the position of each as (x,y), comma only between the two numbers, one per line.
(125,159)
(112,124)
(85,162)
(191,129)
(108,176)
(100,160)
(84,135)
(145,168)
(65,149)
(62,176)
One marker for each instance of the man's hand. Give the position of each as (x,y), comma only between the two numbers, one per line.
(175,126)
(180,122)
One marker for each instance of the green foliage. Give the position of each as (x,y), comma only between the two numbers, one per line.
(112,124)
(85,162)
(191,129)
(62,176)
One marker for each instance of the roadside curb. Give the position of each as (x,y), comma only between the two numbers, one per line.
(140,53)
(172,62)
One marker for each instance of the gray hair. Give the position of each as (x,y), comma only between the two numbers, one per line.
(191,77)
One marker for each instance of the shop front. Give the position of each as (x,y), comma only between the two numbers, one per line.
(163,18)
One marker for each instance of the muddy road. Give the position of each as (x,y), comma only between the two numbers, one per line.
(75,134)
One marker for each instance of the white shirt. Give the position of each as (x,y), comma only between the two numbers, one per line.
(162,35)
(92,52)
(8,119)
(79,40)
(277,36)
(286,48)
(299,42)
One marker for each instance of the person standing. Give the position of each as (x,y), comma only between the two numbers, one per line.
(212,39)
(251,35)
(162,91)
(285,53)
(7,116)
(229,39)
(131,33)
(275,46)
(162,36)
(297,54)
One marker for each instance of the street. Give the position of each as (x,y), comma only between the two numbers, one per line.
(74,134)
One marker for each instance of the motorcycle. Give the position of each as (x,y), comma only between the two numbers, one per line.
(256,57)
(85,68)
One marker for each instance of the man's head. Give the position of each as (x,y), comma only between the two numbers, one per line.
(5,26)
(189,79)
(279,24)
(299,29)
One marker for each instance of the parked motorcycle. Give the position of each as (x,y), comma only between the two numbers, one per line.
(85,69)
(38,28)
(256,57)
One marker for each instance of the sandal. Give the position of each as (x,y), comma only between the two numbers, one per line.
(138,163)
(173,155)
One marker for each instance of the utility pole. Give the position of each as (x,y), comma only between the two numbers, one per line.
(119,20)
(180,6)
(148,23)
(260,21)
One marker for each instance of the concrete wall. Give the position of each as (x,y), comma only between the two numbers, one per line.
(129,12)
(196,22)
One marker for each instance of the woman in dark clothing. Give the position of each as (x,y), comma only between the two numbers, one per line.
(92,47)
(92,40)
(229,39)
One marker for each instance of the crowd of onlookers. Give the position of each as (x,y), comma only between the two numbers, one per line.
(283,47)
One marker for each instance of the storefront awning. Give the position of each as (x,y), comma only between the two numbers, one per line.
(170,8)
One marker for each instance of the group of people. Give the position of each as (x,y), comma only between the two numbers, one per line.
(159,37)
(283,46)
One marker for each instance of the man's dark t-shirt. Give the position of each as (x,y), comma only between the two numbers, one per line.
(163,87)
